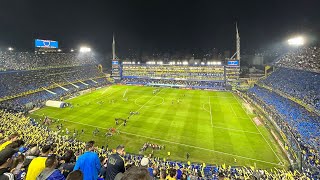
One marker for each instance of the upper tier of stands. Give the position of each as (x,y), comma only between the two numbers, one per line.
(306,58)
(27,61)
(303,85)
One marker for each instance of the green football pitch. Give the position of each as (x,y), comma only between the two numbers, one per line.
(213,127)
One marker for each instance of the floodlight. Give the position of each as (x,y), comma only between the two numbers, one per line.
(10,49)
(71,50)
(59,50)
(85,49)
(296,41)
(185,62)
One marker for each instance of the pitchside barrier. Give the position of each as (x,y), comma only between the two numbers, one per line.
(284,137)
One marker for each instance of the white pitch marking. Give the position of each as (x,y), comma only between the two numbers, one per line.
(258,130)
(220,152)
(141,107)
(210,112)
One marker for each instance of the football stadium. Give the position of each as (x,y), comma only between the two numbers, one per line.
(79,115)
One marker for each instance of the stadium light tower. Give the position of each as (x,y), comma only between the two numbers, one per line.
(296,41)
(85,49)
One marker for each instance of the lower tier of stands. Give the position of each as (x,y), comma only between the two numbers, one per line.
(290,116)
(38,99)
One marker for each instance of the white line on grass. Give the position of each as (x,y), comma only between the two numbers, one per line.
(229,154)
(230,129)
(221,97)
(105,90)
(258,129)
(195,147)
(125,92)
(142,106)
(234,112)
(210,112)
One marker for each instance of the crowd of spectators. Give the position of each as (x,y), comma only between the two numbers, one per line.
(38,152)
(219,85)
(36,100)
(303,85)
(304,125)
(24,90)
(175,71)
(306,58)
(16,82)
(10,60)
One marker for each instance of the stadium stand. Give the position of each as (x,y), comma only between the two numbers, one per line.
(27,61)
(306,58)
(29,79)
(184,76)
(303,85)
(38,136)
(290,96)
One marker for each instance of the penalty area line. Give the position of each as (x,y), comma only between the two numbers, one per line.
(258,129)
(230,129)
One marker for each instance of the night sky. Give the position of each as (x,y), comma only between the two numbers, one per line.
(156,23)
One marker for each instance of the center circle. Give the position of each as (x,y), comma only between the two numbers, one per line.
(149,101)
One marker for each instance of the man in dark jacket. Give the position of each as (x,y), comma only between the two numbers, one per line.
(115,163)
(5,161)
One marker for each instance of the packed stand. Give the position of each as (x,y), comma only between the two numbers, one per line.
(29,150)
(303,85)
(16,82)
(303,124)
(27,61)
(36,100)
(176,83)
(214,73)
(306,58)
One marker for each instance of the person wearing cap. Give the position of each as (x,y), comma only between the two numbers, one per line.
(115,163)
(38,163)
(5,161)
(89,163)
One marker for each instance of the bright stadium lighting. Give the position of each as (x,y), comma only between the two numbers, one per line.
(59,50)
(296,41)
(85,49)
(10,49)
(185,63)
(202,63)
(71,50)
